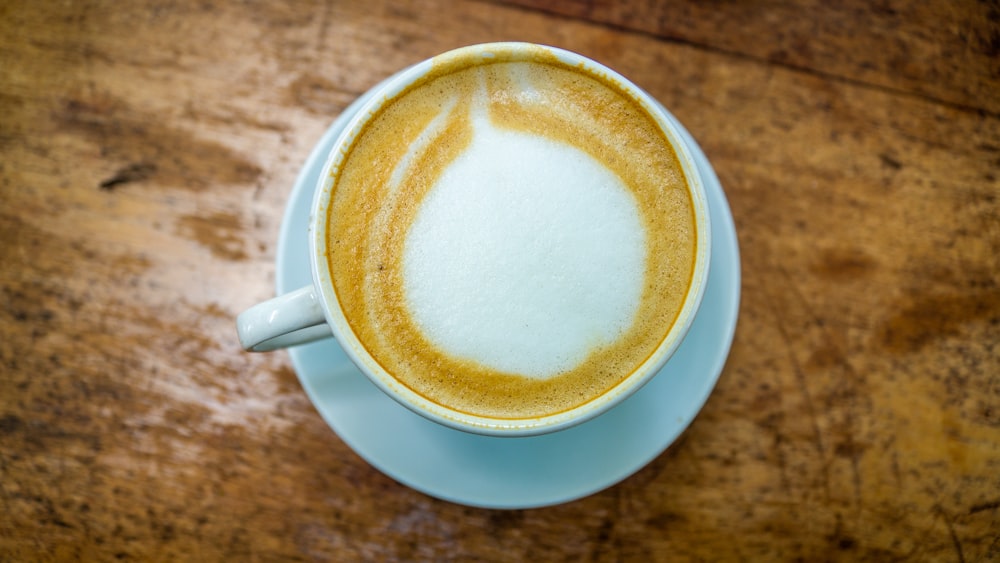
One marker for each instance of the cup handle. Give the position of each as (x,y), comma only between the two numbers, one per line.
(287,320)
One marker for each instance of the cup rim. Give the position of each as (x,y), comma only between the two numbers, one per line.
(386,91)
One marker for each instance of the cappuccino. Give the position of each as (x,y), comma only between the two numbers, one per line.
(510,236)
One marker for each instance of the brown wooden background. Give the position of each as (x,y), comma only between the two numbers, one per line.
(146,153)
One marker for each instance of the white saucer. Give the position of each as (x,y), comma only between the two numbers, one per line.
(514,472)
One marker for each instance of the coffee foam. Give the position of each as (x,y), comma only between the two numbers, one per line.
(583,228)
(504,264)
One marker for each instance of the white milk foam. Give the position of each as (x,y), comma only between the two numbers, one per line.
(525,256)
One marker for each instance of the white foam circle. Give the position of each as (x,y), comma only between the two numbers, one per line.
(526,255)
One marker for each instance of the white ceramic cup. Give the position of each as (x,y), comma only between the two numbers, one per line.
(313,312)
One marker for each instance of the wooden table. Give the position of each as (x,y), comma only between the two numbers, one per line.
(147,150)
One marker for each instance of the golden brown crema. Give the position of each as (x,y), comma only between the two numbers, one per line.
(408,145)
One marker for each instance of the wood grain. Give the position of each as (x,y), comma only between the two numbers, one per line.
(948,52)
(147,151)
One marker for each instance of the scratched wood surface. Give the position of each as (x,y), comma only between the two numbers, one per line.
(146,153)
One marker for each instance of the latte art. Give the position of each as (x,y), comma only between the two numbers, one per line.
(503,256)
(510,237)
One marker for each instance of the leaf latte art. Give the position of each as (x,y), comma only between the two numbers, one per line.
(510,236)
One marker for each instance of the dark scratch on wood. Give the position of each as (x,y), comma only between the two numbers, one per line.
(951,531)
(132,173)
(993,505)
(842,362)
(800,379)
